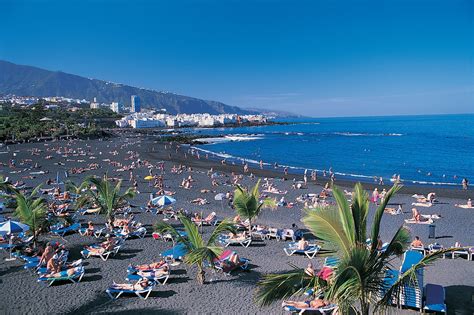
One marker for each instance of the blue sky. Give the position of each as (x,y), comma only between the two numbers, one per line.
(319,58)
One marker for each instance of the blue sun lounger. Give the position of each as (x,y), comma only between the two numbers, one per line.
(63,276)
(412,293)
(150,275)
(63,231)
(435,298)
(176,253)
(310,251)
(142,293)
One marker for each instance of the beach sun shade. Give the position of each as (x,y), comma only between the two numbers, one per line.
(163,201)
(10,227)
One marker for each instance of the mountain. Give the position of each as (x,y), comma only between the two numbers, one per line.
(31,81)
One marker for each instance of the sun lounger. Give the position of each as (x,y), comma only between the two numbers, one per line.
(435,298)
(225,265)
(63,231)
(133,269)
(153,275)
(209,220)
(331,262)
(139,233)
(142,293)
(322,310)
(74,264)
(465,251)
(411,294)
(274,233)
(310,251)
(176,253)
(227,241)
(105,255)
(63,276)
(413,221)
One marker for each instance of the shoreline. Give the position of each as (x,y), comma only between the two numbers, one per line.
(203,163)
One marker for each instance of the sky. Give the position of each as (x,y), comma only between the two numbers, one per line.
(315,58)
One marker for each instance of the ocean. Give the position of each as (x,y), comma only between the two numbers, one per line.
(424,150)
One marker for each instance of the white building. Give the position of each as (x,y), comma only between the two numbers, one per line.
(116,107)
(146,123)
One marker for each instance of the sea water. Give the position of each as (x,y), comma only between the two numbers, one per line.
(426,150)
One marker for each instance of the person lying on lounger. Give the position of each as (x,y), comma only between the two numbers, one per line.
(231,262)
(58,274)
(468,205)
(152,266)
(106,246)
(140,285)
(316,303)
(155,273)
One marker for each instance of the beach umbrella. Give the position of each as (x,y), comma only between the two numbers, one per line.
(163,201)
(10,227)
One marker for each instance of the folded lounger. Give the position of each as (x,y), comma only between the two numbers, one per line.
(322,310)
(141,293)
(63,276)
(435,298)
(310,251)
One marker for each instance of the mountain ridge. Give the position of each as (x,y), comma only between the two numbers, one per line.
(24,80)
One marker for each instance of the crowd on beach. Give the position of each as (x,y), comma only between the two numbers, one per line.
(75,160)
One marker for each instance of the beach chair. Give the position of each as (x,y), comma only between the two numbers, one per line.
(227,241)
(209,220)
(77,263)
(223,263)
(176,253)
(465,251)
(411,294)
(288,234)
(259,234)
(391,276)
(139,233)
(420,249)
(133,269)
(105,255)
(115,293)
(331,262)
(274,233)
(63,231)
(435,298)
(322,310)
(310,251)
(152,275)
(63,276)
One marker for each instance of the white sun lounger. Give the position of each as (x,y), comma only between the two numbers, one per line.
(310,251)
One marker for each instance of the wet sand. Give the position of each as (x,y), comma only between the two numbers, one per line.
(222,294)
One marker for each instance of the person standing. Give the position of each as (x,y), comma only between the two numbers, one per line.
(375,196)
(465,184)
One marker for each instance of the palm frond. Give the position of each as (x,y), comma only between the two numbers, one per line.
(274,287)
(345,214)
(360,210)
(225,226)
(325,224)
(378,216)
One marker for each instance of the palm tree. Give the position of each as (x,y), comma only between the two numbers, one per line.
(75,189)
(200,252)
(359,274)
(105,196)
(247,203)
(32,212)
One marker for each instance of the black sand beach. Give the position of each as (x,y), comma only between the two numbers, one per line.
(22,294)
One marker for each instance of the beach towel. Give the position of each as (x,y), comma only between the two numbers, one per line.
(421,204)
(413,221)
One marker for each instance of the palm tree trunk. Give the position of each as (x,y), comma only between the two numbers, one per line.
(201,275)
